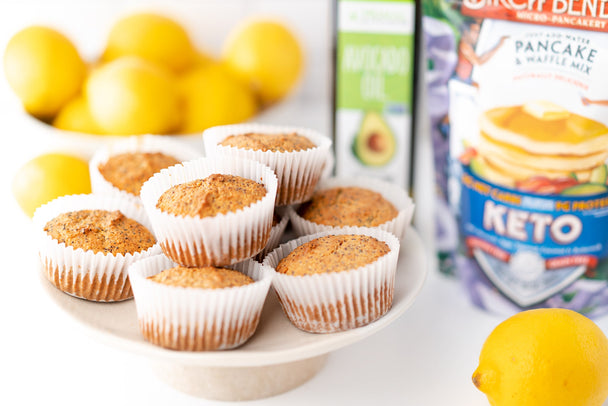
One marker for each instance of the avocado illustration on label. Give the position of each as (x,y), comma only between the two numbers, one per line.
(585,189)
(477,167)
(599,175)
(375,143)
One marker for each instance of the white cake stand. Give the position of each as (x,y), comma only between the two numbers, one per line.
(278,357)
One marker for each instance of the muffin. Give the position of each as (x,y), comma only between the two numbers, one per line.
(211,211)
(129,170)
(298,156)
(102,231)
(344,206)
(87,243)
(198,309)
(123,167)
(354,202)
(216,194)
(332,253)
(286,142)
(208,277)
(335,281)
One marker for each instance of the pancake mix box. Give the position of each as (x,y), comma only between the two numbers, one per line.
(518,99)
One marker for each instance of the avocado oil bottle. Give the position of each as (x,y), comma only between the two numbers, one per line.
(374,88)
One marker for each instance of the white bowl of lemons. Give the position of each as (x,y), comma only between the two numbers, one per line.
(149,79)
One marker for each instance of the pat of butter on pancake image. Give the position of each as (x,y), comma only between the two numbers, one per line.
(545,110)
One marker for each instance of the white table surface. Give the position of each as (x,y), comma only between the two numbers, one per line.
(425,358)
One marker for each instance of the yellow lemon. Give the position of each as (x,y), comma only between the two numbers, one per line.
(266,54)
(47,177)
(212,96)
(153,37)
(551,357)
(202,59)
(132,96)
(44,69)
(76,116)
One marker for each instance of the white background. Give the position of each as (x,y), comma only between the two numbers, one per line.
(425,358)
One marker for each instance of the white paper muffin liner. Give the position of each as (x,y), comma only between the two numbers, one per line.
(298,171)
(86,274)
(192,319)
(275,237)
(143,143)
(337,301)
(220,240)
(391,192)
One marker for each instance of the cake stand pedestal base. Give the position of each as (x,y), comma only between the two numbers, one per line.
(238,383)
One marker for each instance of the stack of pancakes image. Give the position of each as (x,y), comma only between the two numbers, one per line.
(539,139)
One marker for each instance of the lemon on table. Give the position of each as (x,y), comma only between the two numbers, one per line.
(76,116)
(131,96)
(266,54)
(44,69)
(153,37)
(212,96)
(544,357)
(47,177)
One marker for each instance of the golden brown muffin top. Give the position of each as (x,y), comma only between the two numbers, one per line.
(269,142)
(129,171)
(332,253)
(208,277)
(348,206)
(101,231)
(213,195)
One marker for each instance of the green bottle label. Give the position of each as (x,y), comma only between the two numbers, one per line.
(374,88)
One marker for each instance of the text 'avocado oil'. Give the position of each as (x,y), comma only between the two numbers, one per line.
(375,52)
